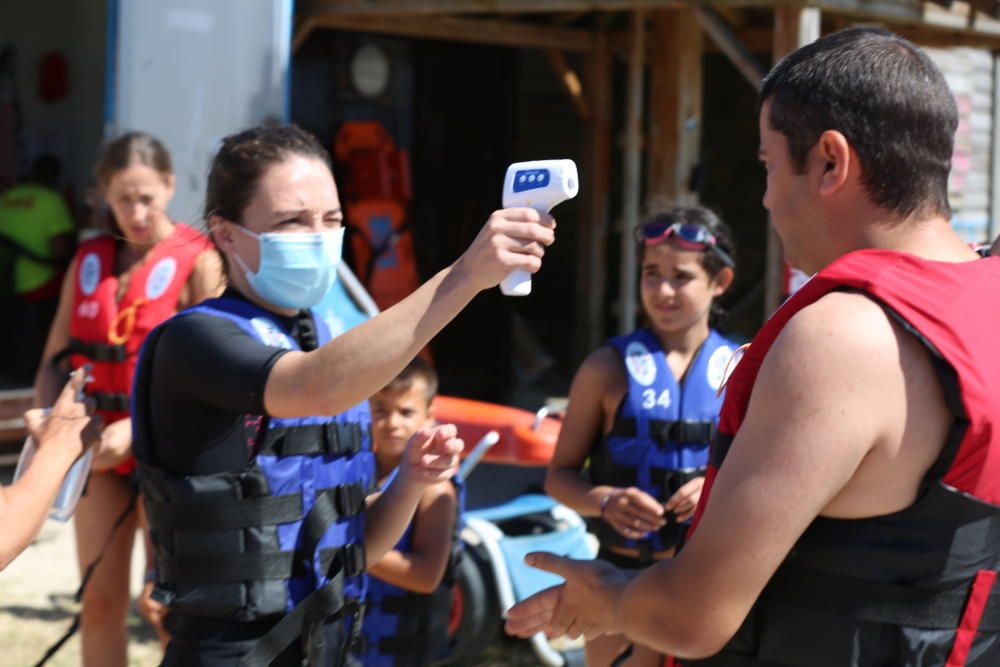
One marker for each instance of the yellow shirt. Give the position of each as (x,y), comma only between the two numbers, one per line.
(30,215)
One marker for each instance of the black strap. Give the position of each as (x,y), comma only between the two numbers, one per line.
(110,401)
(226,514)
(332,438)
(256,565)
(719,449)
(623,656)
(322,605)
(205,568)
(895,604)
(350,559)
(684,431)
(95,351)
(331,505)
(129,507)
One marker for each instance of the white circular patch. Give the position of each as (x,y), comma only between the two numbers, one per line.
(717,363)
(160,277)
(270,333)
(90,273)
(640,363)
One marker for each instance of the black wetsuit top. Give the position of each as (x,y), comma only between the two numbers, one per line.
(209,375)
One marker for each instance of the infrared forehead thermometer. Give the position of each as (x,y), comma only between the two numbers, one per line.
(540,185)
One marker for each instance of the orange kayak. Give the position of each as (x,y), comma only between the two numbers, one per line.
(520,442)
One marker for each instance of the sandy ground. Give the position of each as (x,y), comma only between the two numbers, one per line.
(37,606)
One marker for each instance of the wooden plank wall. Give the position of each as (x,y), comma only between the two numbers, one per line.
(970,75)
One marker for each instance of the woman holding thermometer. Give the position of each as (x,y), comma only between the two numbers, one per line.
(260,499)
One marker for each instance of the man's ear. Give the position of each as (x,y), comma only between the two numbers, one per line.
(832,156)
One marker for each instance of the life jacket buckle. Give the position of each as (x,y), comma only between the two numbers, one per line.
(349,499)
(354,559)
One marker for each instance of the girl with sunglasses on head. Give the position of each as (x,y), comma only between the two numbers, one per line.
(643,407)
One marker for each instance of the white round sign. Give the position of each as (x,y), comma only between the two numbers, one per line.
(640,363)
(90,273)
(160,277)
(717,366)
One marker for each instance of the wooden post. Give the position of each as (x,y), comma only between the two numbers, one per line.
(569,82)
(592,248)
(794,26)
(632,168)
(675,101)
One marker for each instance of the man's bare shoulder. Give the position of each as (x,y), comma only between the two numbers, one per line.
(839,327)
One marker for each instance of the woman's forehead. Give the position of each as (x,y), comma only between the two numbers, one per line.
(296,183)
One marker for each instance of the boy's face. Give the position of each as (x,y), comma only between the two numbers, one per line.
(397,415)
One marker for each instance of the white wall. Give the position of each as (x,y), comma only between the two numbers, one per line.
(70,128)
(192,71)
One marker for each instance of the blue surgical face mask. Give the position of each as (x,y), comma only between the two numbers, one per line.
(296,269)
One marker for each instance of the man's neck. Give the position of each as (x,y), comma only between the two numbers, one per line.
(928,236)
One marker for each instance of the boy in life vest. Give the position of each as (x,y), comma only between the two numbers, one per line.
(409,592)
(851,510)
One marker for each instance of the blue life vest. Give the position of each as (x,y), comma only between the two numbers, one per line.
(407,629)
(662,429)
(280,542)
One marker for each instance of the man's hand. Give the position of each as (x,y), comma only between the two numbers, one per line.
(512,238)
(633,512)
(431,456)
(116,445)
(684,502)
(69,426)
(584,605)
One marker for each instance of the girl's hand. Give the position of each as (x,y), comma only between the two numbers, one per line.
(115,445)
(432,456)
(685,501)
(633,512)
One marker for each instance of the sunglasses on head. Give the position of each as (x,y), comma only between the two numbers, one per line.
(685,234)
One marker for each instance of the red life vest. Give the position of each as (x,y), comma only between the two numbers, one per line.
(914,587)
(106,332)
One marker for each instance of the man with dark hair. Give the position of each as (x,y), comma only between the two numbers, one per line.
(850,514)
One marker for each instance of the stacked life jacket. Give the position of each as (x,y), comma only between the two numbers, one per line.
(279,544)
(660,437)
(915,587)
(407,629)
(107,332)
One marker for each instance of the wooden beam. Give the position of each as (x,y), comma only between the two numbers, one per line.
(794,26)
(302,33)
(632,169)
(591,273)
(475,31)
(718,29)
(675,107)
(418,7)
(569,81)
